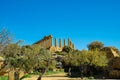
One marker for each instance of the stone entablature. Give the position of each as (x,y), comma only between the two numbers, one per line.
(47,42)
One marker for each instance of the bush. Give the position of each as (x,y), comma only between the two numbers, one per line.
(91,77)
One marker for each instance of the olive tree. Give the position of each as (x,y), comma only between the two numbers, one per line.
(40,57)
(13,58)
(95,45)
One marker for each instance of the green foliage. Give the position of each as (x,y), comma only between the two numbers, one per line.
(62,53)
(86,62)
(97,58)
(95,45)
(37,59)
(76,58)
(3,78)
(45,59)
(67,49)
(12,55)
(29,56)
(91,78)
(11,50)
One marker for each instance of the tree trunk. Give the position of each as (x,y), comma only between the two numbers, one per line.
(91,70)
(40,76)
(16,75)
(42,71)
(82,71)
(69,71)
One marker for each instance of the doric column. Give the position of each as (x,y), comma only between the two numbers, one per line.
(60,43)
(68,42)
(56,44)
(73,46)
(64,42)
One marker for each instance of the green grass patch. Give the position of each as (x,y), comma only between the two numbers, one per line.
(49,72)
(88,78)
(26,76)
(3,78)
(54,72)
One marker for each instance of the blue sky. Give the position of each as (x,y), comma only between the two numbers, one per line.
(83,21)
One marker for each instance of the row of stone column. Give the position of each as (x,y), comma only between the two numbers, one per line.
(61,45)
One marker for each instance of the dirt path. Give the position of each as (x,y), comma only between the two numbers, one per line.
(53,77)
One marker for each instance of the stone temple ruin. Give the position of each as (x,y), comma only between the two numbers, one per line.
(52,44)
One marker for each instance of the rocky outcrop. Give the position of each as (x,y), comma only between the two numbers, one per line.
(110,53)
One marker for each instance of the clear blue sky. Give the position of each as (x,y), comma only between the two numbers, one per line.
(83,21)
